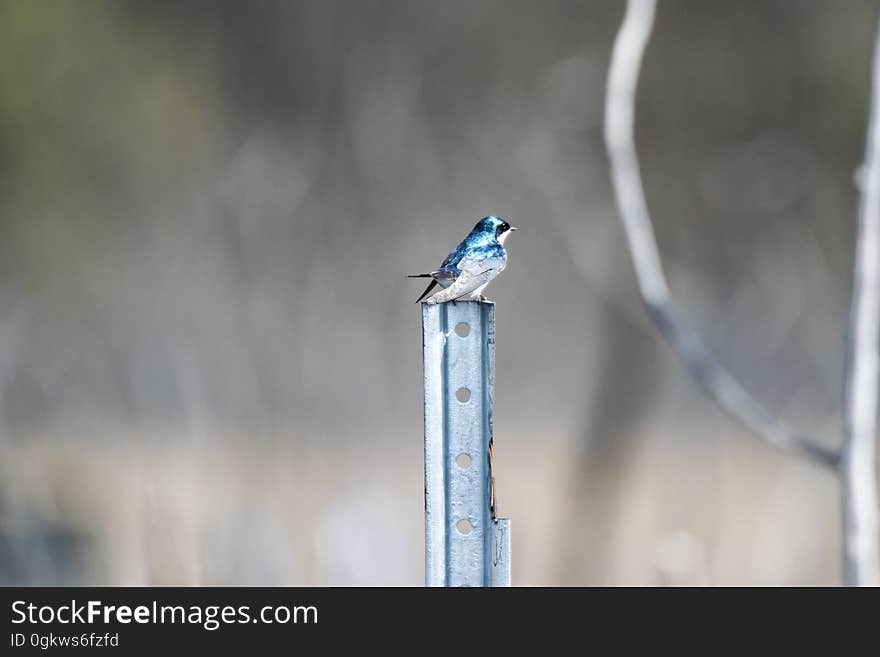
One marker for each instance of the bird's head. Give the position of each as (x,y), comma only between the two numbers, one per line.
(494,227)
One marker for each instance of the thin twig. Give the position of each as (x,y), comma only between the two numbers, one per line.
(623,75)
(858,457)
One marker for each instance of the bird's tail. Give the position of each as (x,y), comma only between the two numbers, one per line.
(430,287)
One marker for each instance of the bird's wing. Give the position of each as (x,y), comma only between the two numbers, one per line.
(443,277)
(455,255)
(446,275)
(473,275)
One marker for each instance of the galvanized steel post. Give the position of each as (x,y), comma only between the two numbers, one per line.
(465,544)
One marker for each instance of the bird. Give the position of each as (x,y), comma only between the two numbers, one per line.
(469,267)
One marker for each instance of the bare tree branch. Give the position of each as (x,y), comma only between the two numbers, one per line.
(858,457)
(623,75)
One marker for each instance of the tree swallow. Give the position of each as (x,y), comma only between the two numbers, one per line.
(470,266)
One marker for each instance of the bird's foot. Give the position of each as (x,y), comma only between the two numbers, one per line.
(482,297)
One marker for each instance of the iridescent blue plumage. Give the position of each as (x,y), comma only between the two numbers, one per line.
(472,264)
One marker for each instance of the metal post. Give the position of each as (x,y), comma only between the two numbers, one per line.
(465,544)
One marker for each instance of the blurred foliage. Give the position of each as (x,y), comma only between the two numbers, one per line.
(98,115)
(207,212)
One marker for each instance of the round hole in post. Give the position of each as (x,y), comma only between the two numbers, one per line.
(463,460)
(463,394)
(463,329)
(464,526)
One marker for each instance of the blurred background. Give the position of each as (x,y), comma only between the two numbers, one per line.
(210,360)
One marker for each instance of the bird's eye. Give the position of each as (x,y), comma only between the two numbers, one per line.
(505,227)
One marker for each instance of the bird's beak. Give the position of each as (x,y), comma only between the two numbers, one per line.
(512,228)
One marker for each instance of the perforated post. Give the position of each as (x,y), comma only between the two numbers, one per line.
(465,544)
